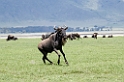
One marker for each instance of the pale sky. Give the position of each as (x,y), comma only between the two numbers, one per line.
(92,4)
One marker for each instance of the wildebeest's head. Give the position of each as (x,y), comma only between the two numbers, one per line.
(62,33)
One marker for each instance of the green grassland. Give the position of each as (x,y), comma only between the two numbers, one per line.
(90,60)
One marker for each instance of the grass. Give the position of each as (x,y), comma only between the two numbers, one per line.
(89,60)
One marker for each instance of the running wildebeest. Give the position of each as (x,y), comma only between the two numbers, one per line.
(10,37)
(95,35)
(53,43)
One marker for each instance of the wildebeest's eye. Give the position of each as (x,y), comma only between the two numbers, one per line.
(60,33)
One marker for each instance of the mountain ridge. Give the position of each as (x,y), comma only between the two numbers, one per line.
(70,12)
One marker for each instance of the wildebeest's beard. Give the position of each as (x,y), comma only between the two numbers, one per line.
(61,36)
(64,38)
(63,41)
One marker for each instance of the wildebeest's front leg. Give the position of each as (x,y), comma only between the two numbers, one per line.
(58,55)
(64,56)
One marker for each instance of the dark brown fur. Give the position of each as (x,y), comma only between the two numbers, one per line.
(85,36)
(69,36)
(110,36)
(103,36)
(95,35)
(73,36)
(10,37)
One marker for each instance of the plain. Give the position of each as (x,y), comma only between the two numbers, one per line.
(90,60)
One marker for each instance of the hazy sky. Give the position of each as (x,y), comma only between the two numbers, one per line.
(92,4)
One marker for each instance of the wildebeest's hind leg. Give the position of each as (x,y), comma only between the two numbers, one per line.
(45,57)
(48,60)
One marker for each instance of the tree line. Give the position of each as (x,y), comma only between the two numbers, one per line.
(38,29)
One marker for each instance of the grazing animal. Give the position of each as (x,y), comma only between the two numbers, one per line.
(95,35)
(76,35)
(110,36)
(85,36)
(10,37)
(53,43)
(70,36)
(73,36)
(103,36)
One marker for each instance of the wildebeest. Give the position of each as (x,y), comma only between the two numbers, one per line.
(95,35)
(53,43)
(76,35)
(73,36)
(10,37)
(69,36)
(110,36)
(85,36)
(103,36)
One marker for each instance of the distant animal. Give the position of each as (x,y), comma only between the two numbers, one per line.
(85,36)
(73,36)
(103,36)
(10,37)
(54,43)
(69,36)
(110,36)
(76,35)
(95,35)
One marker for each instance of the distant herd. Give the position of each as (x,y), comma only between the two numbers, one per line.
(71,36)
(55,40)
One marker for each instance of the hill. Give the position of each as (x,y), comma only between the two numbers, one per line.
(69,12)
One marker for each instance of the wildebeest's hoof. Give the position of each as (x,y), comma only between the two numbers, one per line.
(51,63)
(67,63)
